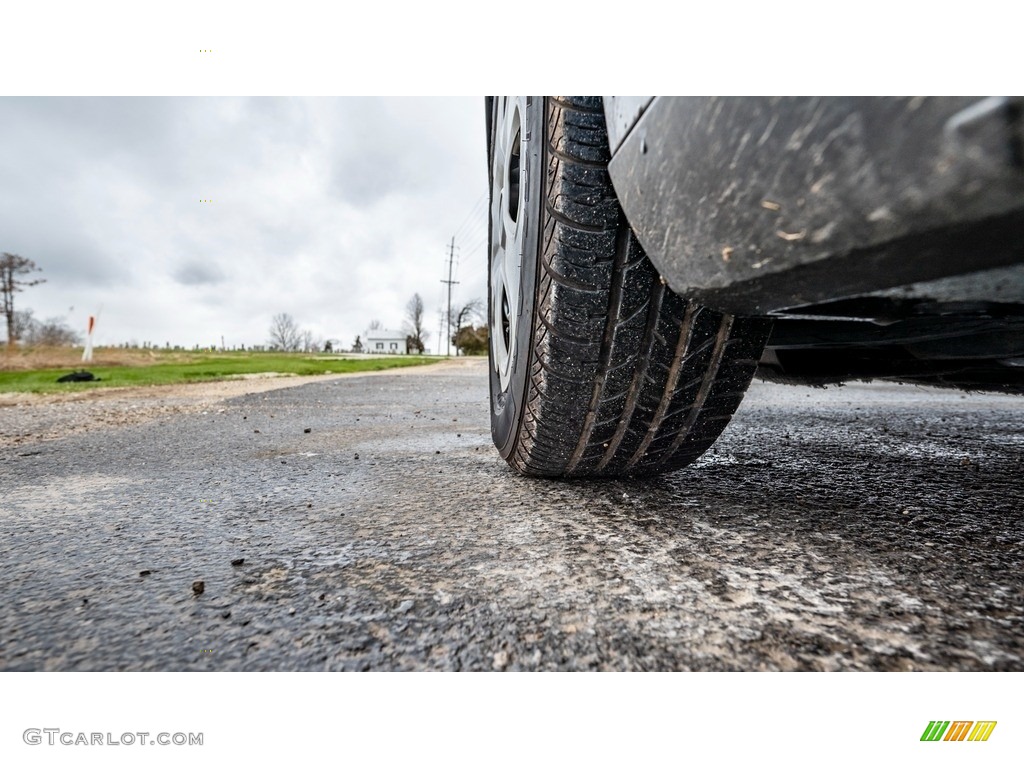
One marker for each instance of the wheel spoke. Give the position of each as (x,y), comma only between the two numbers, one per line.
(507,233)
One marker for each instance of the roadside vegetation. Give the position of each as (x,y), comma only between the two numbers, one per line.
(37,369)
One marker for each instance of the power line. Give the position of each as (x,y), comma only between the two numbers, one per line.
(481,241)
(473,230)
(472,212)
(475,239)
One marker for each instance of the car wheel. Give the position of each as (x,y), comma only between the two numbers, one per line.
(597,369)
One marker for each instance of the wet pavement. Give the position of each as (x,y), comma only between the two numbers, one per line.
(367,523)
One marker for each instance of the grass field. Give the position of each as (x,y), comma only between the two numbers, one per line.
(38,370)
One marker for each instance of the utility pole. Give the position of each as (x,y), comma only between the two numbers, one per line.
(440,330)
(450,283)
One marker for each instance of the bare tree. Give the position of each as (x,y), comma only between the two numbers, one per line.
(375,325)
(284,333)
(463,317)
(24,322)
(12,267)
(308,342)
(417,334)
(52,332)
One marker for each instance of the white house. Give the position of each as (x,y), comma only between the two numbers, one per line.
(384,342)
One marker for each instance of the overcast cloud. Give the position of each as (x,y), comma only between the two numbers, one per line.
(333,210)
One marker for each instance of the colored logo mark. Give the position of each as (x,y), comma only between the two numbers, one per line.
(958,730)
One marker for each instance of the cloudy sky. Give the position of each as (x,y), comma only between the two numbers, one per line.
(335,210)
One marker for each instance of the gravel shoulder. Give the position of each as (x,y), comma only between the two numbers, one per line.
(29,418)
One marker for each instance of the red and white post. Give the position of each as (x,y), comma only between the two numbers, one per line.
(87,352)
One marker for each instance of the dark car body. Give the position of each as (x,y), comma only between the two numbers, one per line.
(884,236)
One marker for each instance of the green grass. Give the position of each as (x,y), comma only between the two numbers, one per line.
(206,368)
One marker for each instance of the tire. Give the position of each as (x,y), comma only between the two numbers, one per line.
(597,369)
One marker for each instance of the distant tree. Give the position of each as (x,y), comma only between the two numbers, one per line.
(416,334)
(309,342)
(12,267)
(357,345)
(24,322)
(375,325)
(464,316)
(472,341)
(52,332)
(284,333)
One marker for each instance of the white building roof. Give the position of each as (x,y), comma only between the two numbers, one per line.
(384,334)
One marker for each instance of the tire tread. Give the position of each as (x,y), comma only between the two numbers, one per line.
(626,377)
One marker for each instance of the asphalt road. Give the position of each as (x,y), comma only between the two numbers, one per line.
(367,523)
